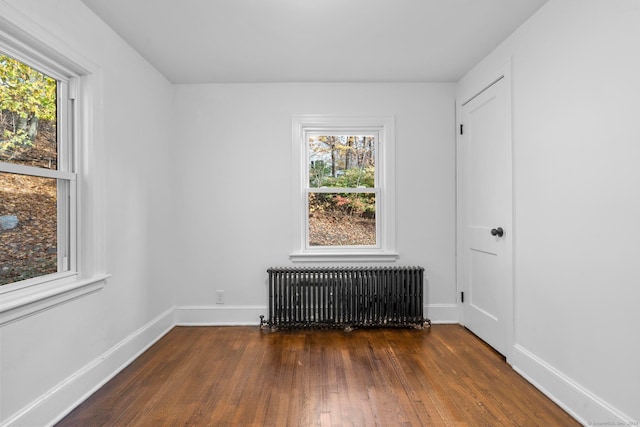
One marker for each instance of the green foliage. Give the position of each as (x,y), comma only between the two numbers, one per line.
(352,178)
(26,97)
(319,171)
(352,204)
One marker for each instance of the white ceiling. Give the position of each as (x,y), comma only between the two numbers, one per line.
(206,41)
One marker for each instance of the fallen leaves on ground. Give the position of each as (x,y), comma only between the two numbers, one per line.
(30,249)
(336,229)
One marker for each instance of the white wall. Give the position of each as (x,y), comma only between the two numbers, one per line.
(576,86)
(66,343)
(233,150)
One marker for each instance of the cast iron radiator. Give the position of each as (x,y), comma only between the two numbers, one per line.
(345,297)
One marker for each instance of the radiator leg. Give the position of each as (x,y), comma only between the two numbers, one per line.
(263,323)
(266,324)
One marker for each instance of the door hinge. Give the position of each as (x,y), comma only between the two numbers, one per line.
(461,296)
(461,129)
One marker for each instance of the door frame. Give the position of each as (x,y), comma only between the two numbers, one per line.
(474,84)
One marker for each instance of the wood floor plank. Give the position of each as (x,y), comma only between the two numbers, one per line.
(245,376)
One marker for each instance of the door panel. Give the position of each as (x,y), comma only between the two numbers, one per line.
(482,266)
(485,204)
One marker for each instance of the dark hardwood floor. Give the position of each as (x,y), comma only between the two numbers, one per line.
(245,376)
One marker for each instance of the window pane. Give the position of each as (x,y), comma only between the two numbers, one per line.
(28,115)
(346,161)
(342,219)
(28,227)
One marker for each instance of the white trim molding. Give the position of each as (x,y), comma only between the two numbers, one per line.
(220,315)
(56,403)
(350,257)
(580,403)
(249,315)
(29,301)
(442,313)
(384,127)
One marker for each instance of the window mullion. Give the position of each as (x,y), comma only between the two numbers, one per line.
(63,126)
(72,223)
(342,190)
(62,224)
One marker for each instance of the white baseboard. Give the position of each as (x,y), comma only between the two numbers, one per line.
(220,315)
(56,403)
(442,313)
(223,315)
(579,402)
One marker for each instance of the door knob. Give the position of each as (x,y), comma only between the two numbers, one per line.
(497,232)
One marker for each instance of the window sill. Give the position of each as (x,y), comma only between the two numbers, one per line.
(25,302)
(344,257)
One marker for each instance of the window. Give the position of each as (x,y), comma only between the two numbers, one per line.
(37,181)
(344,188)
(52,228)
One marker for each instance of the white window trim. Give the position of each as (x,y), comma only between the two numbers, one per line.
(24,39)
(385,250)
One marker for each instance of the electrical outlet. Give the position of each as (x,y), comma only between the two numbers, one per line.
(219,297)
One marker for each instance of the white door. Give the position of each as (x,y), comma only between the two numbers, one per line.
(485,215)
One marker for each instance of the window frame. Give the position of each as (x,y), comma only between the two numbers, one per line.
(28,42)
(383,127)
(65,176)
